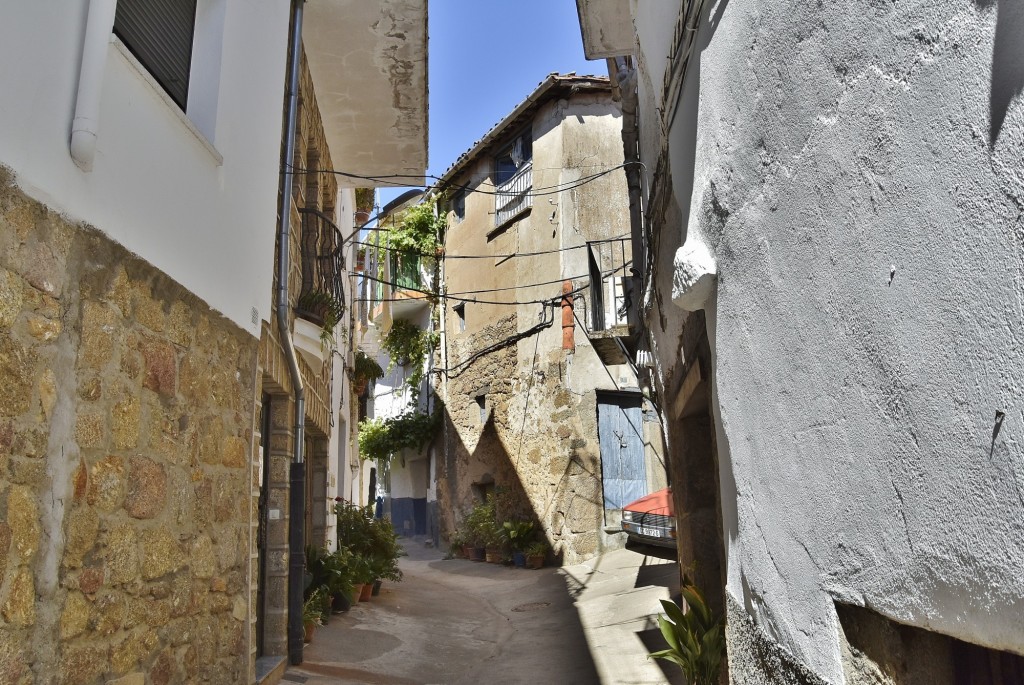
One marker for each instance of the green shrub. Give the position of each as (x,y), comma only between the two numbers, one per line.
(696,639)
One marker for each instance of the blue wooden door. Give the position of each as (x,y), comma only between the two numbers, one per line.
(620,429)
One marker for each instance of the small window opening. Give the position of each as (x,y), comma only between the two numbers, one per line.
(460,311)
(481,401)
(459,206)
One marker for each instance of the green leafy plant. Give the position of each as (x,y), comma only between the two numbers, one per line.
(329,572)
(482,529)
(695,638)
(409,345)
(416,229)
(364,371)
(327,309)
(382,439)
(384,551)
(312,608)
(364,200)
(353,527)
(539,548)
(517,535)
(370,544)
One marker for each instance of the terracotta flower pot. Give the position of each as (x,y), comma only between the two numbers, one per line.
(493,555)
(364,594)
(535,560)
(308,628)
(357,592)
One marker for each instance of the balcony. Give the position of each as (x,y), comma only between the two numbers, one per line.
(611,302)
(409,286)
(322,296)
(400,291)
(512,198)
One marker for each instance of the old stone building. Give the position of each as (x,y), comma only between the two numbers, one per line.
(542,198)
(141,537)
(833,303)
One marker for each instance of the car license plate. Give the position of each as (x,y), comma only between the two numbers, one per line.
(650,532)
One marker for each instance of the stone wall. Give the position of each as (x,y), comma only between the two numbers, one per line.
(538,442)
(125,432)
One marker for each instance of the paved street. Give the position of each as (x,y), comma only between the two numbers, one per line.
(460,622)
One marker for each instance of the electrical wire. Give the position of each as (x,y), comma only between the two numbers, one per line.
(442,296)
(445,185)
(456,295)
(624,236)
(458,369)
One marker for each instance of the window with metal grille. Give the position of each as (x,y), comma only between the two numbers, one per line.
(159,33)
(513,179)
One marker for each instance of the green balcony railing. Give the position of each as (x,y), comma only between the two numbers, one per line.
(405,271)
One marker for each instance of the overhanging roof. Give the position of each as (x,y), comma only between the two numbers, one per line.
(555,85)
(607,28)
(368,60)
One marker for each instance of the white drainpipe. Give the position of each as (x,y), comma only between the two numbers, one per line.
(98,26)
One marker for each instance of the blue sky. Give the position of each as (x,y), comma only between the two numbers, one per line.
(485,57)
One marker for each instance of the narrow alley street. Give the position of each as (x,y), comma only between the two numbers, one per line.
(454,621)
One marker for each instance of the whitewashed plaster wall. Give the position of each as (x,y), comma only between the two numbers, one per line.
(573,139)
(195,195)
(340,443)
(869,322)
(391,398)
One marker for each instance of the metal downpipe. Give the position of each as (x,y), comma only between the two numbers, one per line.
(297,480)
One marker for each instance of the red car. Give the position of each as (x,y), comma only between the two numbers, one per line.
(650,519)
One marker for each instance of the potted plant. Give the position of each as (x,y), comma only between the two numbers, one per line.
(493,550)
(311,612)
(696,638)
(480,529)
(340,581)
(364,371)
(536,552)
(384,552)
(517,536)
(362,576)
(457,545)
(365,198)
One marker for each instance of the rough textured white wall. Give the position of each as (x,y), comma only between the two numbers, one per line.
(147,158)
(867,226)
(343,432)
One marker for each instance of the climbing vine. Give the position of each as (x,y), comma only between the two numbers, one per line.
(382,439)
(417,229)
(409,345)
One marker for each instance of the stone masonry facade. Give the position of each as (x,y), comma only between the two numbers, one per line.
(125,448)
(316,191)
(538,445)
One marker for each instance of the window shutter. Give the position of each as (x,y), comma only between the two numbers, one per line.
(159,34)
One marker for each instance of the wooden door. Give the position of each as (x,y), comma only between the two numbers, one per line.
(621,432)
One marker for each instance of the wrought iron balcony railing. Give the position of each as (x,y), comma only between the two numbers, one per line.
(513,196)
(610,287)
(612,304)
(322,295)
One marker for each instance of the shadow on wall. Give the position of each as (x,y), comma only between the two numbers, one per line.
(683,143)
(491,462)
(488,464)
(1007,61)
